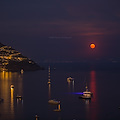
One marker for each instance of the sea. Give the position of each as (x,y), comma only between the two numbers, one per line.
(35,92)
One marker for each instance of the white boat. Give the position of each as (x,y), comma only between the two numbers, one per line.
(36,117)
(54,102)
(69,79)
(86,94)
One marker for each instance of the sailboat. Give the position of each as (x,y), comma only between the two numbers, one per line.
(36,117)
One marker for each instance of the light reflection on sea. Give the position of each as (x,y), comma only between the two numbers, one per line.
(36,93)
(8,106)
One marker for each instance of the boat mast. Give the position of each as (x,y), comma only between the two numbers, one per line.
(86,87)
(49,75)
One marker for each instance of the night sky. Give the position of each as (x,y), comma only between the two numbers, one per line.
(62,30)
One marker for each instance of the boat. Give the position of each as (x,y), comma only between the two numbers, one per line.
(36,117)
(22,71)
(55,102)
(70,79)
(86,94)
(12,86)
(58,109)
(48,82)
(18,97)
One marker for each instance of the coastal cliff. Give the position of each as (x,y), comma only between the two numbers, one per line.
(12,60)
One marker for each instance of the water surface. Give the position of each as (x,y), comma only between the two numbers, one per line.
(36,93)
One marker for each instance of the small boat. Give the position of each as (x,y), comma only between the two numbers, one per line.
(36,117)
(57,110)
(22,71)
(12,86)
(86,94)
(49,81)
(54,102)
(70,79)
(18,97)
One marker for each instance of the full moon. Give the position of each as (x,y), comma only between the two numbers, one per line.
(92,45)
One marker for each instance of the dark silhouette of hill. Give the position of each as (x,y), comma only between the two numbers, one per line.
(12,60)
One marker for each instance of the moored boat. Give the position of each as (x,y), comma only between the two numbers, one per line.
(22,71)
(54,102)
(86,94)
(70,79)
(12,86)
(18,97)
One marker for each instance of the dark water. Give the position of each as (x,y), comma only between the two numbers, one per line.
(33,86)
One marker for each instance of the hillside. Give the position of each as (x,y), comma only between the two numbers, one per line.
(12,60)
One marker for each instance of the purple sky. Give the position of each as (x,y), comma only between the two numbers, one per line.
(61,30)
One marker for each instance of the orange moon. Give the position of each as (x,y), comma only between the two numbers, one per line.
(92,45)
